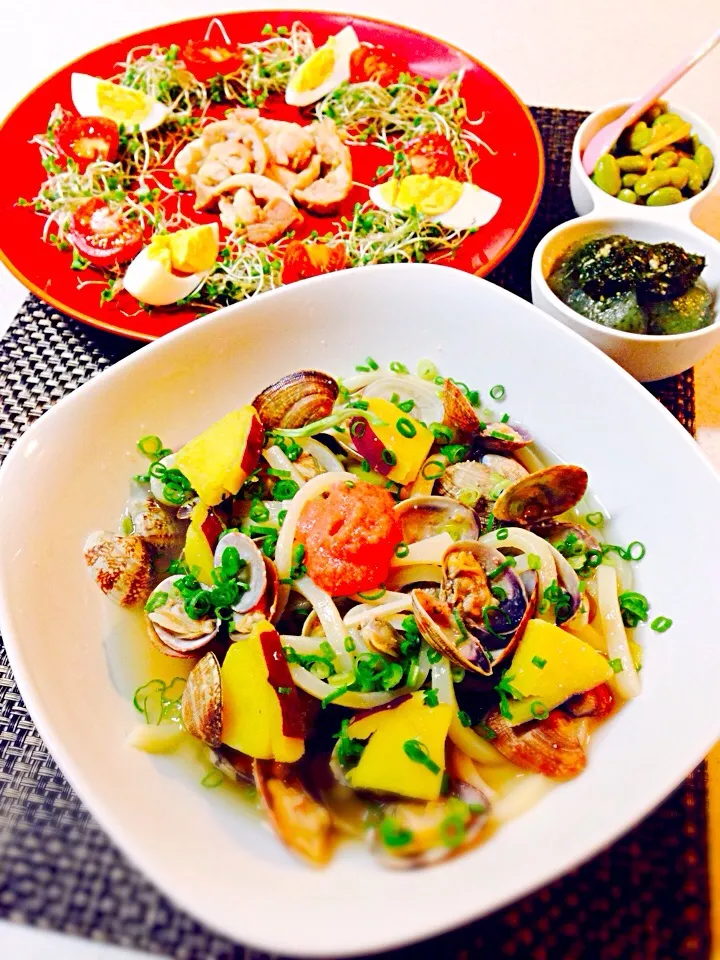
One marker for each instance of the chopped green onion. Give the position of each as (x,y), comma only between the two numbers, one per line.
(427,370)
(464,718)
(538,662)
(661,624)
(636,550)
(416,751)
(497,392)
(468,496)
(126,525)
(534,561)
(335,695)
(437,472)
(372,363)
(455,452)
(452,831)
(434,656)
(389,457)
(402,549)
(258,511)
(407,405)
(392,834)
(616,665)
(442,433)
(231,562)
(406,427)
(499,593)
(368,597)
(595,519)
(539,710)
(150,445)
(397,367)
(503,533)
(431,697)
(285,490)
(486,731)
(509,562)
(212,779)
(349,644)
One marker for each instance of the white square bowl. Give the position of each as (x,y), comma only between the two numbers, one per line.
(68,475)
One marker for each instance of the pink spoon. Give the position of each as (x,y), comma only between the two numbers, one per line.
(606,138)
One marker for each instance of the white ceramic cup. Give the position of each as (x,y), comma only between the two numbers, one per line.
(646,357)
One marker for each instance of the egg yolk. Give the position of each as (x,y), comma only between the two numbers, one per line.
(185,251)
(429,195)
(316,69)
(122,104)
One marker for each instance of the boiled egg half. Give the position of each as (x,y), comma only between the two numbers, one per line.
(93,97)
(458,206)
(323,71)
(173,265)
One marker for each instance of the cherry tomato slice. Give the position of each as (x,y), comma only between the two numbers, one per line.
(376,63)
(85,139)
(103,235)
(303,260)
(432,153)
(206,60)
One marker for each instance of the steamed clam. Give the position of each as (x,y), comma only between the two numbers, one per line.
(296,400)
(541,495)
(507,467)
(424,517)
(202,701)
(447,634)
(153,522)
(251,569)
(300,821)
(554,746)
(503,437)
(170,626)
(417,834)
(121,565)
(381,636)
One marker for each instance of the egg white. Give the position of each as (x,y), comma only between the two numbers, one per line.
(474,208)
(345,42)
(147,279)
(84,93)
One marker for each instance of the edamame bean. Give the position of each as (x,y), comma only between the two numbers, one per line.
(627,195)
(695,140)
(679,177)
(695,177)
(635,164)
(651,182)
(630,179)
(606,174)
(667,159)
(664,196)
(705,161)
(640,135)
(668,119)
(658,108)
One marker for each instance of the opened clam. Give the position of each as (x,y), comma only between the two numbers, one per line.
(541,495)
(446,633)
(503,437)
(472,483)
(554,746)
(300,821)
(121,566)
(251,573)
(170,626)
(424,517)
(202,701)
(296,400)
(381,637)
(506,467)
(417,834)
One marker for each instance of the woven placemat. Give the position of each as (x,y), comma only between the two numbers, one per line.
(645,897)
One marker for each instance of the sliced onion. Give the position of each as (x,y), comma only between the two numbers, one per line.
(428,551)
(327,612)
(283,550)
(324,457)
(365,612)
(626,683)
(464,738)
(463,768)
(523,795)
(419,573)
(279,460)
(361,380)
(427,407)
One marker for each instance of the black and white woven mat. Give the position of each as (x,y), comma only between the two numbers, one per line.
(646,898)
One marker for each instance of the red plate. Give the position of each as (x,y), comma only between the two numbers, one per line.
(515,173)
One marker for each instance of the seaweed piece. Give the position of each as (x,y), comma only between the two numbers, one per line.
(692,310)
(670,272)
(609,265)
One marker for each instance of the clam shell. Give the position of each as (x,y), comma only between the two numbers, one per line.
(423,517)
(172,631)
(300,821)
(554,747)
(440,630)
(507,467)
(121,565)
(233,764)
(202,701)
(542,495)
(296,399)
(425,821)
(155,524)
(598,703)
(255,560)
(514,437)
(458,411)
